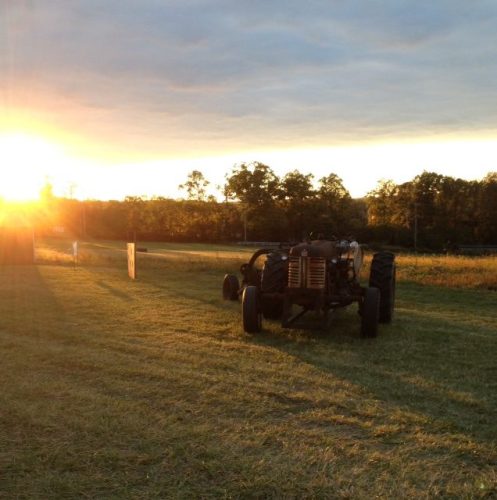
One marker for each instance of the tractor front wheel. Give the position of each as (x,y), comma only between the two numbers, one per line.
(251,311)
(370,312)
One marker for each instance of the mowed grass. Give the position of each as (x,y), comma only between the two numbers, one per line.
(113,388)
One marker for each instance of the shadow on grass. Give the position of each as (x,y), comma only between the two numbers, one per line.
(190,285)
(27,302)
(433,360)
(113,290)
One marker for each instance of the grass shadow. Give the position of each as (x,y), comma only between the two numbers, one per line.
(438,365)
(30,312)
(113,290)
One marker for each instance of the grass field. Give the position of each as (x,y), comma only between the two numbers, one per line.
(120,389)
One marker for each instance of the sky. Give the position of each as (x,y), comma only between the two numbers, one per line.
(124,97)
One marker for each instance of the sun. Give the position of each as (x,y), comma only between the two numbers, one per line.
(25,163)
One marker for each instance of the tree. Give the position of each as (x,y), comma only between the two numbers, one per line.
(255,185)
(195,186)
(135,215)
(381,202)
(487,220)
(334,206)
(46,192)
(296,186)
(297,198)
(456,210)
(331,188)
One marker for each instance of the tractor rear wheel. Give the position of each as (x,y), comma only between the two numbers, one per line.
(382,276)
(370,312)
(230,287)
(273,280)
(274,273)
(251,311)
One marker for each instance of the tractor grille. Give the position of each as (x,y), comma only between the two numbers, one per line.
(294,272)
(316,272)
(307,272)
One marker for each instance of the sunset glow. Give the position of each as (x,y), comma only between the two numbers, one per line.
(28,162)
(25,162)
(183,88)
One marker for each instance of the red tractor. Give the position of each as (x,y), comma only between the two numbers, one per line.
(320,276)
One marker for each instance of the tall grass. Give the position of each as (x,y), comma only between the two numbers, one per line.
(438,270)
(449,271)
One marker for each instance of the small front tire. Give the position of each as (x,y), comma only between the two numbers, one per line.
(251,311)
(231,286)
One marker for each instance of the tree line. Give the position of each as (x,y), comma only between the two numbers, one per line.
(438,210)
(430,211)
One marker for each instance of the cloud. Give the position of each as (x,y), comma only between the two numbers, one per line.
(169,77)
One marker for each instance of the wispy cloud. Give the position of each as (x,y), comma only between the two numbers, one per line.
(169,77)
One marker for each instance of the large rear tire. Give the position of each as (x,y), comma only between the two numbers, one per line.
(273,280)
(382,276)
(370,312)
(231,286)
(274,273)
(251,311)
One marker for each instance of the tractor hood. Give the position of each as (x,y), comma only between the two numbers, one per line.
(320,248)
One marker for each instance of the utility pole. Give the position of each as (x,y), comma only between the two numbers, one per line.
(416,227)
(72,187)
(83,218)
